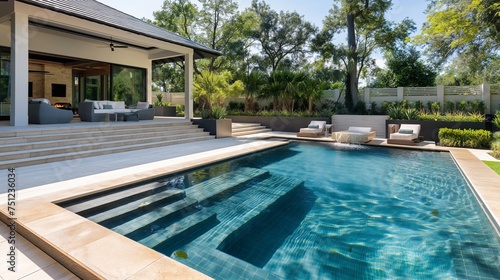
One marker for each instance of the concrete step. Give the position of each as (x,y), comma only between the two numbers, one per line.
(79,154)
(25,141)
(98,127)
(240,129)
(56,147)
(58,143)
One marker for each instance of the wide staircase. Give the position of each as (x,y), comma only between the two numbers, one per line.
(180,218)
(36,146)
(241,129)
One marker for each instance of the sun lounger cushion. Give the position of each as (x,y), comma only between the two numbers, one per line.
(354,134)
(403,133)
(314,129)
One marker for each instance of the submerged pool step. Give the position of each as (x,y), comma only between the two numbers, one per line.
(180,230)
(242,207)
(91,205)
(221,265)
(224,182)
(156,216)
(194,195)
(136,207)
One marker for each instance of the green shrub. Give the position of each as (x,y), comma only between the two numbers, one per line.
(451,117)
(496,119)
(395,112)
(434,107)
(465,138)
(496,135)
(495,148)
(205,113)
(179,109)
(219,112)
(235,106)
(411,114)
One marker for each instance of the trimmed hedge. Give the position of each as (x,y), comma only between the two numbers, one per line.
(465,138)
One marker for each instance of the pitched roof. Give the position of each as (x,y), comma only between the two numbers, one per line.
(95,11)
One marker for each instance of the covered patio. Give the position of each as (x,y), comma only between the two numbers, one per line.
(69,51)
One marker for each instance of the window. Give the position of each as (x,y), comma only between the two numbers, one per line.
(128,84)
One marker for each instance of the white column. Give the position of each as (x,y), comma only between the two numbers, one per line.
(149,83)
(401,93)
(367,96)
(19,70)
(440,96)
(486,96)
(188,85)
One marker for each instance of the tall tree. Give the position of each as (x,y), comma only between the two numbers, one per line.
(458,26)
(367,29)
(405,68)
(465,33)
(280,35)
(217,24)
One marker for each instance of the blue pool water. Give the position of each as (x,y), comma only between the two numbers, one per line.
(326,211)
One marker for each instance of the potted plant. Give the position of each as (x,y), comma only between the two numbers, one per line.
(163,108)
(215,122)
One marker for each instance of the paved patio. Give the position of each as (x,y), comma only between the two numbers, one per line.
(93,251)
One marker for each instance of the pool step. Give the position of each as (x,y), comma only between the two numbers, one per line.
(185,229)
(156,216)
(220,265)
(242,207)
(90,205)
(136,208)
(194,195)
(223,183)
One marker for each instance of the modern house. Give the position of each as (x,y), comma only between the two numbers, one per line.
(71,50)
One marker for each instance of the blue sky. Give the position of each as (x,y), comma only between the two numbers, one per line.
(312,10)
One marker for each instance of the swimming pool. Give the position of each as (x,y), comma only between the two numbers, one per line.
(312,211)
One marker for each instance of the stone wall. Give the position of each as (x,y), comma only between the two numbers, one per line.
(45,74)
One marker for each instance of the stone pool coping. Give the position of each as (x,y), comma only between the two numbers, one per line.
(91,251)
(94,252)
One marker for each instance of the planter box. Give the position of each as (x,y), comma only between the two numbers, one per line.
(277,123)
(429,129)
(165,111)
(220,128)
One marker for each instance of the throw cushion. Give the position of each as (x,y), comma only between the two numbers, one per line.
(41,100)
(105,106)
(313,126)
(406,131)
(142,105)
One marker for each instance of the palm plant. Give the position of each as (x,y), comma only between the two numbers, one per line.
(253,84)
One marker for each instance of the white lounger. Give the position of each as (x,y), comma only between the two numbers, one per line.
(314,129)
(355,134)
(406,135)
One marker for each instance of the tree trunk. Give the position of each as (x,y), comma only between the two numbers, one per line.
(352,57)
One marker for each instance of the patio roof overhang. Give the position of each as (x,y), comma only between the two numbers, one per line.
(84,29)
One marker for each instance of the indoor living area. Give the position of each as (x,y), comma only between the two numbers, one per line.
(64,82)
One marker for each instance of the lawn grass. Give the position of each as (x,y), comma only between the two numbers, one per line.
(495,165)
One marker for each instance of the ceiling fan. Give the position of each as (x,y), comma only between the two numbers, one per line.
(112,46)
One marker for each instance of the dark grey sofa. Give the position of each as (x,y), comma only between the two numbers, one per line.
(43,113)
(87,113)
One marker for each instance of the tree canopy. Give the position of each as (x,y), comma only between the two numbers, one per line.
(367,30)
